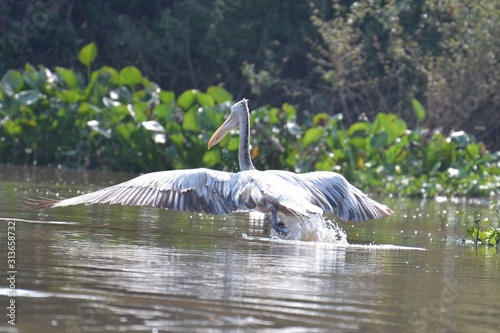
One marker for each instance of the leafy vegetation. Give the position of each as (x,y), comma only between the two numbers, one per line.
(336,56)
(119,119)
(491,234)
(109,118)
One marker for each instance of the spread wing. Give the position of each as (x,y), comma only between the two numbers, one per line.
(334,194)
(194,190)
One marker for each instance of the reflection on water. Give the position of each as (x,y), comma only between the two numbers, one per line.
(127,269)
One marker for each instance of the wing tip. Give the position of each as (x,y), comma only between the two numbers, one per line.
(385,211)
(39,202)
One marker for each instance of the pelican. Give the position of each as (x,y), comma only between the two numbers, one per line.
(217,192)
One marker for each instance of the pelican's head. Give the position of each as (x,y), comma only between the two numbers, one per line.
(232,122)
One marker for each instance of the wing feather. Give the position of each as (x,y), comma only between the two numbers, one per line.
(334,194)
(195,190)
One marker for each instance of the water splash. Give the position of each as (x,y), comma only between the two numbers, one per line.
(313,229)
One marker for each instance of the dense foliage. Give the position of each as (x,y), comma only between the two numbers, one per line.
(336,56)
(119,119)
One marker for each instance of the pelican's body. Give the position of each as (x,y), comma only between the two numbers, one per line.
(217,192)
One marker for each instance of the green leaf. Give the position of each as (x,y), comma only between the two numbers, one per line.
(88,109)
(190,121)
(167,97)
(211,157)
(87,54)
(31,76)
(12,128)
(210,118)
(204,99)
(394,126)
(139,108)
(125,130)
(28,97)
(312,135)
(68,76)
(12,82)
(357,130)
(379,140)
(461,138)
(219,94)
(186,99)
(164,112)
(473,150)
(359,142)
(69,96)
(290,111)
(321,119)
(178,139)
(233,145)
(130,76)
(273,115)
(419,110)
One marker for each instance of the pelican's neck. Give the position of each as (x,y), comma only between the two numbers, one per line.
(244,151)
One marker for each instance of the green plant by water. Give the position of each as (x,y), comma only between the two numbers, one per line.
(489,235)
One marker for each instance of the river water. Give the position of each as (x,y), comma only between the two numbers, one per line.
(130,269)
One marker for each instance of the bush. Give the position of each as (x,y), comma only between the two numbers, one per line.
(107,118)
(376,56)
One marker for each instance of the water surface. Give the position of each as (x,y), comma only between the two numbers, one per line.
(129,269)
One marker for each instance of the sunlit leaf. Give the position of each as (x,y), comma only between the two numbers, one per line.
(321,119)
(290,111)
(31,76)
(12,82)
(204,99)
(219,94)
(473,150)
(324,165)
(28,97)
(167,97)
(140,109)
(394,126)
(273,115)
(88,109)
(178,139)
(312,135)
(211,157)
(358,129)
(164,112)
(69,95)
(12,128)
(140,94)
(186,99)
(87,54)
(359,142)
(68,76)
(125,130)
(234,143)
(130,76)
(418,109)
(190,121)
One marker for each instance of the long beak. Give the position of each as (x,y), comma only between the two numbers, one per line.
(222,131)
